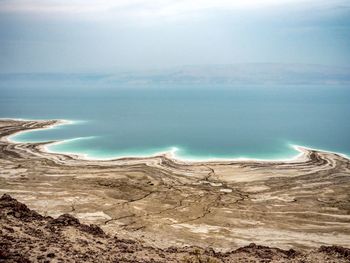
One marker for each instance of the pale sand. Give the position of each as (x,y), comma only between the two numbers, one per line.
(303,202)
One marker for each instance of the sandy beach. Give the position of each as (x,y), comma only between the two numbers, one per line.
(301,203)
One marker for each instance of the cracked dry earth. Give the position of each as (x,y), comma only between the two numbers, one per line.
(302,203)
(26,236)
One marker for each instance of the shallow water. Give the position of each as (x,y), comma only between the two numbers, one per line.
(213,122)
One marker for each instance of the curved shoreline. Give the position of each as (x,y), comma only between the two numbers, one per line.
(170,154)
(302,203)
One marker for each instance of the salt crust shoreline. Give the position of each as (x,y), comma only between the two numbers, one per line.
(171,154)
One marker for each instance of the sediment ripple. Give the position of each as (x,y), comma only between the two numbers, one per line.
(304,202)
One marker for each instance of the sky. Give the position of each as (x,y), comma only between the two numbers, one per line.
(105,35)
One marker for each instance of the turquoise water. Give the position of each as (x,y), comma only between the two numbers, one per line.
(200,122)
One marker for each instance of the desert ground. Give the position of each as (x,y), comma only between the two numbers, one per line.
(301,204)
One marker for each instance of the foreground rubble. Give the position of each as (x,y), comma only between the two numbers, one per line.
(27,236)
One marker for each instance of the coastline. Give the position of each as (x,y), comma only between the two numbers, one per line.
(54,124)
(171,154)
(227,204)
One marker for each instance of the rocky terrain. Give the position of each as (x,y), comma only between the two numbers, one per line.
(27,236)
(160,202)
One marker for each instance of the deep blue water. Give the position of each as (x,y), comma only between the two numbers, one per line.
(218,121)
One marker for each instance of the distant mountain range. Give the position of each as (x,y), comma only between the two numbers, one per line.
(235,74)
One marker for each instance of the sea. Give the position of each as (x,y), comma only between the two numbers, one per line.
(193,122)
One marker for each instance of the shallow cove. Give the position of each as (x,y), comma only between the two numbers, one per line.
(199,123)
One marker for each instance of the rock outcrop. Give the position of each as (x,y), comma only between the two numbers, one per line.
(26,236)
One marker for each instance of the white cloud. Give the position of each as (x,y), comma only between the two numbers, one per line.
(145,7)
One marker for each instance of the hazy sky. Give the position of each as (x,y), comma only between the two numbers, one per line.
(103,35)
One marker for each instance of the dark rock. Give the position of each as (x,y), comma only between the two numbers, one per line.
(92,229)
(172,249)
(23,260)
(10,229)
(291,253)
(265,253)
(126,241)
(11,206)
(210,251)
(65,220)
(7,198)
(339,251)
(69,220)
